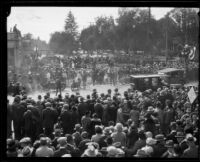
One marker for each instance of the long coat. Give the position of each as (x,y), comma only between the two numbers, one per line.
(49,117)
(9,119)
(66,119)
(98,109)
(18,112)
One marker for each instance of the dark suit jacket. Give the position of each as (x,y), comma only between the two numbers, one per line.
(66,119)
(18,112)
(82,108)
(49,117)
(28,120)
(98,108)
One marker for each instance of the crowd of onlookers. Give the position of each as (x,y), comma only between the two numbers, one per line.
(160,123)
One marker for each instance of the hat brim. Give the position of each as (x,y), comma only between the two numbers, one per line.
(168,146)
(180,136)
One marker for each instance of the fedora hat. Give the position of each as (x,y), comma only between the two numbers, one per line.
(62,141)
(160,137)
(169,143)
(180,135)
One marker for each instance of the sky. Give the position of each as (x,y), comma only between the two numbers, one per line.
(42,21)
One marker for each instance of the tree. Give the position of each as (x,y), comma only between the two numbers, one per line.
(70,25)
(188,24)
(65,42)
(62,43)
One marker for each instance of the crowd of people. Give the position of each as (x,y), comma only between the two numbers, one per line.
(41,73)
(160,123)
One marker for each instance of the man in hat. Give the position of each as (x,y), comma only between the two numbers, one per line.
(82,108)
(160,113)
(159,148)
(28,122)
(170,153)
(116,92)
(75,116)
(44,150)
(132,135)
(141,142)
(62,147)
(169,116)
(9,119)
(134,115)
(111,111)
(71,146)
(65,119)
(49,118)
(181,140)
(18,112)
(149,123)
(57,134)
(58,85)
(95,120)
(98,109)
(192,150)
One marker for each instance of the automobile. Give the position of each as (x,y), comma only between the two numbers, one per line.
(175,76)
(148,81)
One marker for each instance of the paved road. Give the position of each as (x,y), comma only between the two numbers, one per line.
(100,89)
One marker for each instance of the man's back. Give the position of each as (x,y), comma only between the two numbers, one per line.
(44,151)
(49,117)
(65,118)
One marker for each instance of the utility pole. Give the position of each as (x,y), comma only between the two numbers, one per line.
(166,40)
(148,31)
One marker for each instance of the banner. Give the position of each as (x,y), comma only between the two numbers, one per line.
(192,95)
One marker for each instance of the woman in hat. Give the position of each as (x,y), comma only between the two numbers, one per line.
(119,135)
(188,128)
(77,134)
(149,148)
(98,134)
(91,151)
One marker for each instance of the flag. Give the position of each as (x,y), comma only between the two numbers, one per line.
(192,95)
(192,53)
